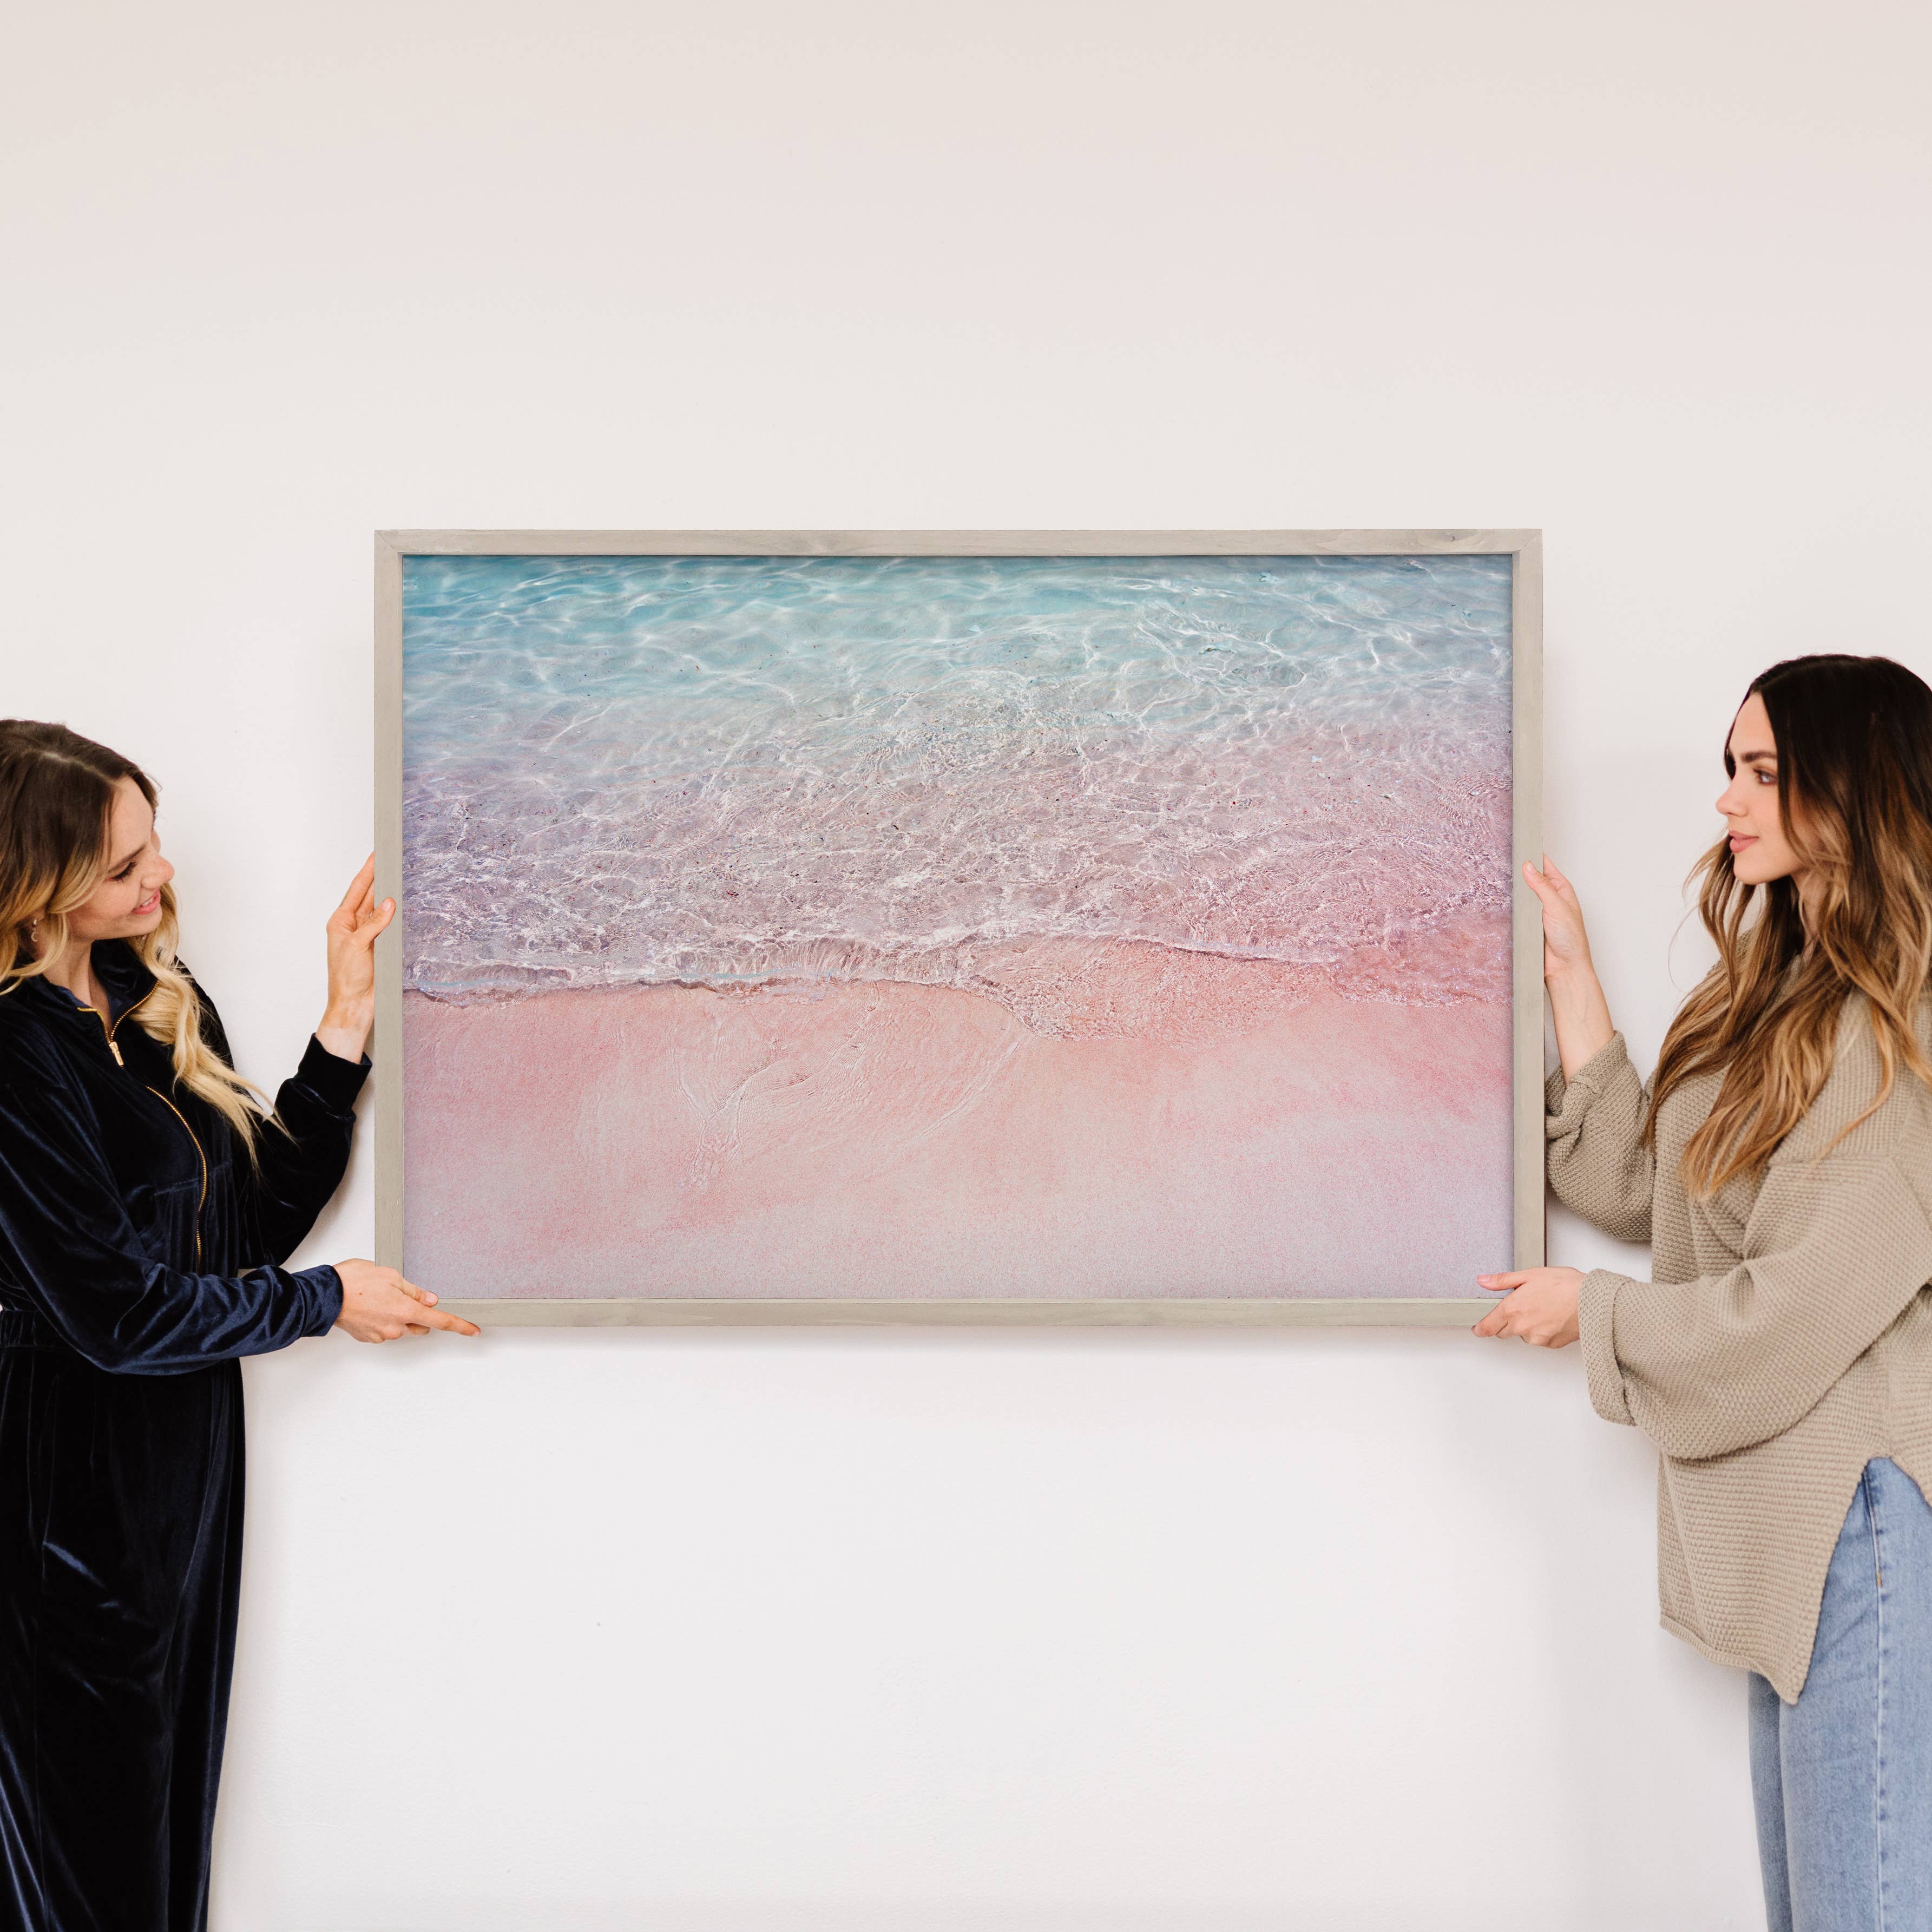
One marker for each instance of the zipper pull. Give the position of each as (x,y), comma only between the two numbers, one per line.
(114,1048)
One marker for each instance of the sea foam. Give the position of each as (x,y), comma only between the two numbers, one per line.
(624,771)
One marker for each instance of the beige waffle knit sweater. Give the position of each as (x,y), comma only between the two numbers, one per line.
(1786,1340)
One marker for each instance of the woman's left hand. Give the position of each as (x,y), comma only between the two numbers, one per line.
(353,929)
(1540,1306)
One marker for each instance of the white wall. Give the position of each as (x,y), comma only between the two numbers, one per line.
(775,1632)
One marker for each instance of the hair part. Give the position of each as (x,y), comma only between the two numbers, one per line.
(1854,739)
(56,804)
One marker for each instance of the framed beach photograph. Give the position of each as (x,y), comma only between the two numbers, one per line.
(1035,926)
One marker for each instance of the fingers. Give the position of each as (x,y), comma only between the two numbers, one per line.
(388,1307)
(1548,874)
(359,887)
(393,1328)
(1551,887)
(1531,1326)
(369,923)
(1500,1320)
(358,917)
(1543,886)
(441,1318)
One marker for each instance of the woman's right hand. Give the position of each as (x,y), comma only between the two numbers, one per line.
(1576,1002)
(378,1305)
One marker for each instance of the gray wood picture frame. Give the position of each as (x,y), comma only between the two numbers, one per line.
(1523,548)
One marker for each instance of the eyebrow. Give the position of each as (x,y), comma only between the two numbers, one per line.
(1755,757)
(121,865)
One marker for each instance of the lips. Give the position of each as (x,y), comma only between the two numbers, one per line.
(149,904)
(1739,840)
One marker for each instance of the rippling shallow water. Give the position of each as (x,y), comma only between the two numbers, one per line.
(632,771)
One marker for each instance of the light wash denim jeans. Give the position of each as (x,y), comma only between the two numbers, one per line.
(1843,1778)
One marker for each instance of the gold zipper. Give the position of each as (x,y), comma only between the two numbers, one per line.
(201,1152)
(110,1031)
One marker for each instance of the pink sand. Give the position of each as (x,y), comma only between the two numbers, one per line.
(881,1140)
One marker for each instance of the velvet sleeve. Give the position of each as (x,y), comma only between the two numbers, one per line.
(76,1260)
(300,1163)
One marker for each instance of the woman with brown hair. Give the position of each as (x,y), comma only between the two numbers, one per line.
(1780,1162)
(148,1200)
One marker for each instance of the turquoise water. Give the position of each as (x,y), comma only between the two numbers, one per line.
(637,770)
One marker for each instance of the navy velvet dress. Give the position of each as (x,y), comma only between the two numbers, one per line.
(140,1259)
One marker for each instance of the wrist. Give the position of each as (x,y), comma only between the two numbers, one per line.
(1577,975)
(343,1028)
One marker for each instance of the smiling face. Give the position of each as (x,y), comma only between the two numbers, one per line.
(1760,850)
(126,904)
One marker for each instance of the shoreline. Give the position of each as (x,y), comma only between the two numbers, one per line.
(1049,984)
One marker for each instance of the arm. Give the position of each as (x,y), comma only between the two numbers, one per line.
(76,1261)
(1598,1163)
(302,1154)
(304,1157)
(1576,1002)
(1836,1251)
(301,1161)
(303,1164)
(1596,1158)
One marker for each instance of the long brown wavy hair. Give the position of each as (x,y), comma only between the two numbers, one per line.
(56,804)
(1854,740)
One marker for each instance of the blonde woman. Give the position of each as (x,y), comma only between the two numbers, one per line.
(1780,1163)
(147,1204)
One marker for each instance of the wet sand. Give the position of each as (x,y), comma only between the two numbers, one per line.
(883,1140)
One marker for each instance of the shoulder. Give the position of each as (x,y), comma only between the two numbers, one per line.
(25,1019)
(1849,1117)
(31,1054)
(1858,1064)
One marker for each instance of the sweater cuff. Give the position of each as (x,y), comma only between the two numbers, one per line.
(1596,1318)
(334,1081)
(1565,1104)
(325,1288)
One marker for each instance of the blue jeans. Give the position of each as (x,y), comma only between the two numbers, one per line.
(1842,1779)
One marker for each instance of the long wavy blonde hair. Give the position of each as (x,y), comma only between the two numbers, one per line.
(1854,739)
(56,804)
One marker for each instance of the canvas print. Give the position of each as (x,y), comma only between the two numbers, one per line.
(944,928)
